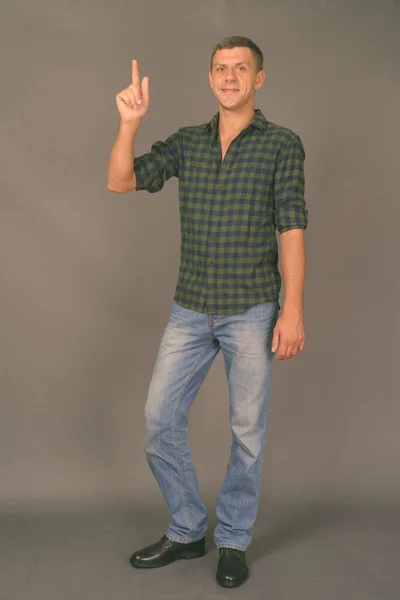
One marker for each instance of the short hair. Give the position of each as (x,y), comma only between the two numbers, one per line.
(235,41)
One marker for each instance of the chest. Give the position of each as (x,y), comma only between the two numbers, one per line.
(227,170)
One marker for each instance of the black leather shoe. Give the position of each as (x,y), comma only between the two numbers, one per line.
(165,551)
(232,568)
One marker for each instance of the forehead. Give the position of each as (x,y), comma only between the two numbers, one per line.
(234,55)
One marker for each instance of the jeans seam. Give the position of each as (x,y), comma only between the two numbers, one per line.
(176,445)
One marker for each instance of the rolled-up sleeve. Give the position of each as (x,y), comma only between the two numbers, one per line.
(289,204)
(154,168)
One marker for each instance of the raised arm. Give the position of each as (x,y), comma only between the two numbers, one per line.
(132,104)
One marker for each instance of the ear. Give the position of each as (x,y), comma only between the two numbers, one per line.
(260,78)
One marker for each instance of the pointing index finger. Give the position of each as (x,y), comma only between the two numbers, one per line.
(135,72)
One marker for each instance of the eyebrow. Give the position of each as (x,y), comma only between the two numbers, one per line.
(236,64)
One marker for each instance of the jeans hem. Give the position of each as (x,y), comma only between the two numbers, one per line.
(184,541)
(233,546)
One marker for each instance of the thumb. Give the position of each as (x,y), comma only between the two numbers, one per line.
(275,339)
(145,88)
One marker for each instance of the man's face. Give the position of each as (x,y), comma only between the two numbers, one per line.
(234,78)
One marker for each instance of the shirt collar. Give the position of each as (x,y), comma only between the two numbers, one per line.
(259,121)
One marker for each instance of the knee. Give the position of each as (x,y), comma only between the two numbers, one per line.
(152,416)
(153,419)
(153,437)
(154,411)
(159,429)
(250,439)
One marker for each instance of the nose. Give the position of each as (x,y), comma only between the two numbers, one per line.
(230,74)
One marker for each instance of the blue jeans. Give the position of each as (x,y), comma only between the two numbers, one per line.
(189,344)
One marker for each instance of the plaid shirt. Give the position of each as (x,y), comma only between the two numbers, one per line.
(230,210)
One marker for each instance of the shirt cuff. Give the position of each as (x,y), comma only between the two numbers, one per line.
(291,217)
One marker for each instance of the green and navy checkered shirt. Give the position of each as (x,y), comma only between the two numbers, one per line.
(230,210)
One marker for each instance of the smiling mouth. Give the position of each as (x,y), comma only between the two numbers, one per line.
(229,91)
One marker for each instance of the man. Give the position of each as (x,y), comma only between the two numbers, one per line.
(241,177)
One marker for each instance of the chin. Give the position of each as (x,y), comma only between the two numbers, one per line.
(232,106)
(225,104)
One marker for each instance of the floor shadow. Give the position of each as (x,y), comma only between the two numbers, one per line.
(295,523)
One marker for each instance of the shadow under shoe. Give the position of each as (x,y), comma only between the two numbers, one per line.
(232,568)
(165,552)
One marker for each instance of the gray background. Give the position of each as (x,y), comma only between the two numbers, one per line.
(88,277)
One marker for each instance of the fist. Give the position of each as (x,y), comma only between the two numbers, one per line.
(133,101)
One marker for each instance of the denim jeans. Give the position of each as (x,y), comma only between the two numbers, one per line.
(188,347)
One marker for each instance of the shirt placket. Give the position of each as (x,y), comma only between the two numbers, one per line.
(213,232)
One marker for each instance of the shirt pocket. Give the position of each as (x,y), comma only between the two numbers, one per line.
(253,178)
(196,174)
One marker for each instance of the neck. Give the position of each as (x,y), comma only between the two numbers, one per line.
(232,122)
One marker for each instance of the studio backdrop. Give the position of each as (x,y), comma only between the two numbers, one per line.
(88,276)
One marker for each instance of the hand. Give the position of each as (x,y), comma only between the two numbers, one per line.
(289,333)
(133,101)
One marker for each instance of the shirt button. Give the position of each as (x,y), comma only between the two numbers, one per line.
(213,239)
(220,187)
(210,263)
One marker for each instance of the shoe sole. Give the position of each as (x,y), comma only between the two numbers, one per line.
(185,556)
